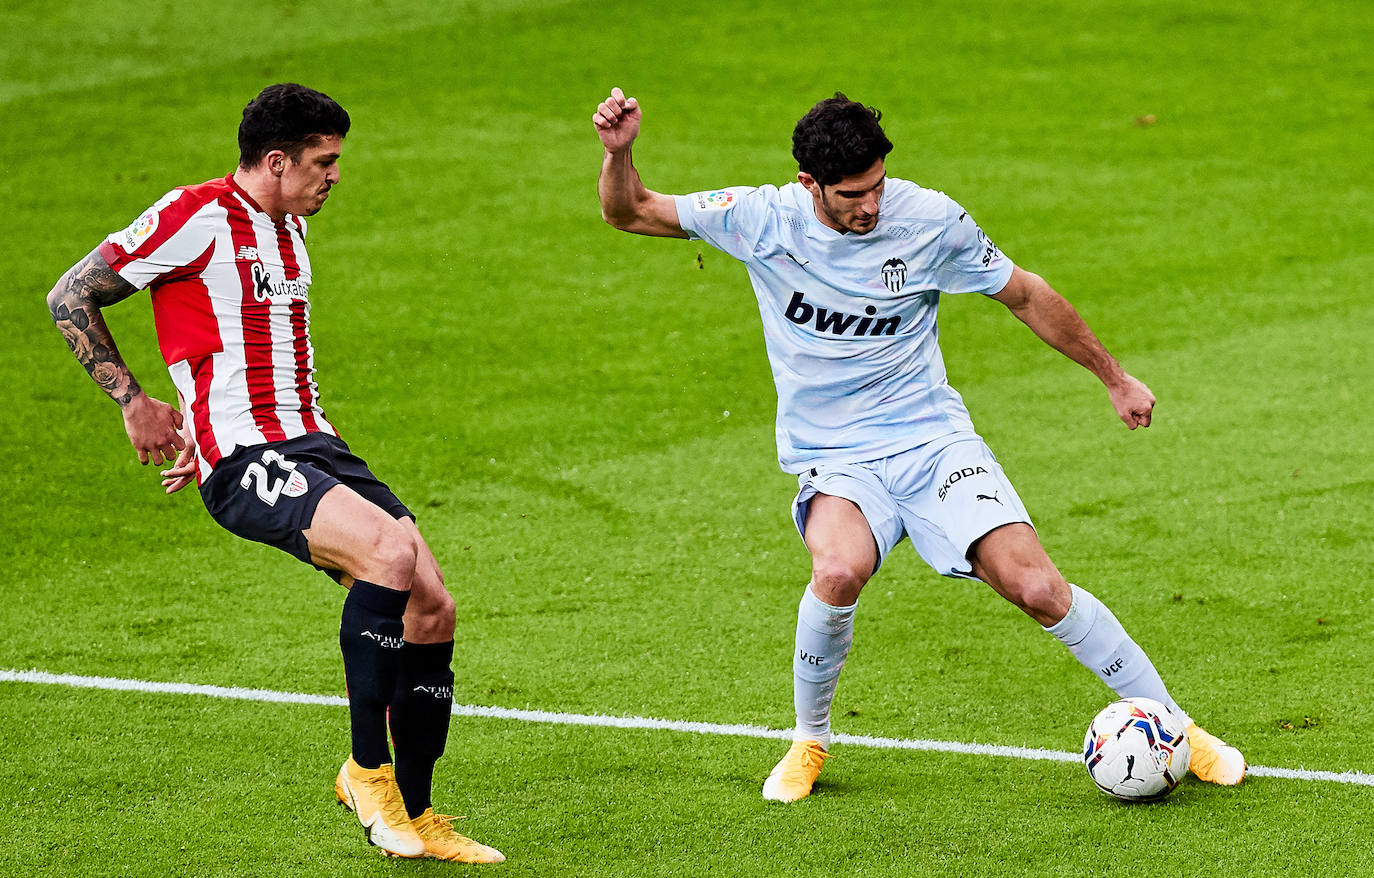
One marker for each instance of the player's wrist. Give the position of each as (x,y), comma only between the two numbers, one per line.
(132,400)
(1110,373)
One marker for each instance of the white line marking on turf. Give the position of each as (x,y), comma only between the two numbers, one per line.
(117,684)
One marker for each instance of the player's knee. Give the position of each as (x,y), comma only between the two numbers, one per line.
(443,613)
(394,551)
(1042,595)
(435,617)
(838,580)
(446,617)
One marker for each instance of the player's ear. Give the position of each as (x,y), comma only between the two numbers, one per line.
(275,162)
(809,182)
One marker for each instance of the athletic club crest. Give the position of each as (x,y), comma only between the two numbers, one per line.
(894,274)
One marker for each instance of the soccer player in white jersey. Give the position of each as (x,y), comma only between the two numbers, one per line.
(226,267)
(848,265)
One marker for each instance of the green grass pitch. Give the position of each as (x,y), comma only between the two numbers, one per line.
(583,421)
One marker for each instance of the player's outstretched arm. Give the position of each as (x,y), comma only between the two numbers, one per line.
(75,303)
(1058,324)
(625,201)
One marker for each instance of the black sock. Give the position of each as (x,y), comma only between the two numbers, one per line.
(420,712)
(370,639)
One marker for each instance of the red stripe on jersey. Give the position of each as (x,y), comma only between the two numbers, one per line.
(256,317)
(288,252)
(170,219)
(300,344)
(202,372)
(300,335)
(113,256)
(184,317)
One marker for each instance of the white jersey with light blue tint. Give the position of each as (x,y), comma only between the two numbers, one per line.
(849,320)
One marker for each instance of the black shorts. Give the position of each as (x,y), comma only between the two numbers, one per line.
(268,493)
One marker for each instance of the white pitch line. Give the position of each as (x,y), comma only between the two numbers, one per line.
(1358,778)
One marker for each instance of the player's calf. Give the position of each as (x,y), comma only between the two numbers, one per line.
(370,638)
(419,713)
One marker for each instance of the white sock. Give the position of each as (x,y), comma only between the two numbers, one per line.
(1096,639)
(823,637)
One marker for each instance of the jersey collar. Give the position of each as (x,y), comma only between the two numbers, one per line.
(243,193)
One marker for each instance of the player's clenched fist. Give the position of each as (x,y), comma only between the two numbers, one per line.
(617,121)
(1133,401)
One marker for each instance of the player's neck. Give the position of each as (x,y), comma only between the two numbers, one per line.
(262,188)
(823,216)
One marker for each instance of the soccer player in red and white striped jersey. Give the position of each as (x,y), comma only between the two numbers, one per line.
(226,266)
(230,290)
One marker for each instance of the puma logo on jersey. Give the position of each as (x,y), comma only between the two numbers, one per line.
(802,312)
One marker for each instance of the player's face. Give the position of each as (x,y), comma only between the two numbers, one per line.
(305,182)
(850,205)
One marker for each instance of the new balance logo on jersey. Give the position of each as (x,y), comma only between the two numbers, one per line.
(802,312)
(958,476)
(264,287)
(247,254)
(894,274)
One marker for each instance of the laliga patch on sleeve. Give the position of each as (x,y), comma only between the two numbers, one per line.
(721,199)
(142,228)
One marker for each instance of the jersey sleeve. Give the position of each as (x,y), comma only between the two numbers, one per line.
(164,238)
(731,220)
(971,263)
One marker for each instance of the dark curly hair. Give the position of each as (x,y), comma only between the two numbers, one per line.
(839,137)
(288,117)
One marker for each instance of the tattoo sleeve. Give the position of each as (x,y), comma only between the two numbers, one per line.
(75,304)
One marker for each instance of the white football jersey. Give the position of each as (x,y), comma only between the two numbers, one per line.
(849,320)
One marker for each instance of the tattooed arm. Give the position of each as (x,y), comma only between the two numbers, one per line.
(75,304)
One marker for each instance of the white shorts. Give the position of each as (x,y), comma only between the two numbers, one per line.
(944,496)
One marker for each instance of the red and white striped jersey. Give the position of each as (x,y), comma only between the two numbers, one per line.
(231,301)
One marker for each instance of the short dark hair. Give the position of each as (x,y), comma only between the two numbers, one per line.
(288,117)
(839,137)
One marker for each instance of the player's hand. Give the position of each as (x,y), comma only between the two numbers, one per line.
(617,121)
(183,472)
(153,427)
(1133,401)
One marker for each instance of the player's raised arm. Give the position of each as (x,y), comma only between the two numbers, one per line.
(1058,323)
(75,303)
(625,202)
